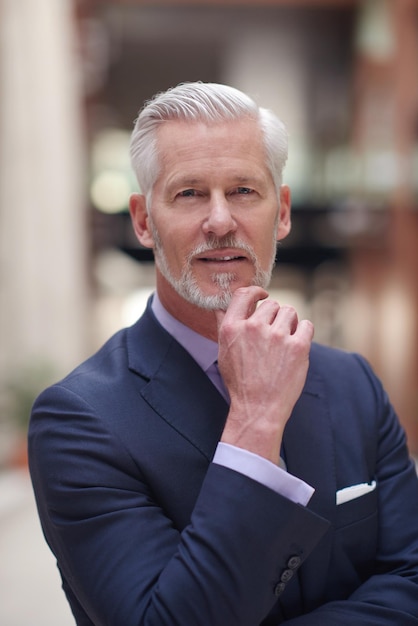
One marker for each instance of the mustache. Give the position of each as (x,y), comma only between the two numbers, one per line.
(216,243)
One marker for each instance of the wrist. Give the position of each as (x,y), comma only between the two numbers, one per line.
(254,433)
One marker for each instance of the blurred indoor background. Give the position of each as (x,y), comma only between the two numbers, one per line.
(342,74)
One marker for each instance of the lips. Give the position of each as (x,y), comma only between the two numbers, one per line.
(222,259)
(215,256)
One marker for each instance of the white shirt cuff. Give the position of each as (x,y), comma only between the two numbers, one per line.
(264,472)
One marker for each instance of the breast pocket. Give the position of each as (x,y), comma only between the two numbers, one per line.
(355,540)
(357,509)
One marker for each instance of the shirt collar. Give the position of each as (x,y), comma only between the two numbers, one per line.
(203,350)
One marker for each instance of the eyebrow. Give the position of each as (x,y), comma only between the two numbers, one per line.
(247,180)
(195,181)
(185,181)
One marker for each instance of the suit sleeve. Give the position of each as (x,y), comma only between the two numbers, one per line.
(121,558)
(390,596)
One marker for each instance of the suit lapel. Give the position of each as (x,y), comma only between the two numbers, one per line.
(185,398)
(177,388)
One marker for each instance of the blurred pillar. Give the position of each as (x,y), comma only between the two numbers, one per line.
(386,96)
(43,289)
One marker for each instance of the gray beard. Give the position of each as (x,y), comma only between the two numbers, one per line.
(187,287)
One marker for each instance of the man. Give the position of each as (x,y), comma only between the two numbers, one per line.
(279,490)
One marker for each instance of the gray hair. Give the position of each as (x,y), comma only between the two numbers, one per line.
(210,103)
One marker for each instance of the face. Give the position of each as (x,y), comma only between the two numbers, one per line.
(215,215)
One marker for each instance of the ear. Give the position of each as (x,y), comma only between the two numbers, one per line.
(140,220)
(284,225)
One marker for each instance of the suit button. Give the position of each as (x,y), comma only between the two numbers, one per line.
(286,575)
(294,562)
(279,588)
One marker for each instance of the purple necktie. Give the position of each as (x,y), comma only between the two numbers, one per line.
(215,376)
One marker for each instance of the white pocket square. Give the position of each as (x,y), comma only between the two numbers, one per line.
(355,491)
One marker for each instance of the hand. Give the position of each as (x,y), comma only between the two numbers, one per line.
(263,358)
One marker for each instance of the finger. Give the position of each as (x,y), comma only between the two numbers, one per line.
(286,318)
(306,330)
(266,312)
(244,302)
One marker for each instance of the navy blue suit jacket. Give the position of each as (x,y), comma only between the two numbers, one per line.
(148,531)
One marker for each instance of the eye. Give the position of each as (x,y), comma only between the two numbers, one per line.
(244,190)
(187,193)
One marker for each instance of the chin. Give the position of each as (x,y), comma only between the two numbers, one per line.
(206,301)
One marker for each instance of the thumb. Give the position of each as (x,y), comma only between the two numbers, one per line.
(219,315)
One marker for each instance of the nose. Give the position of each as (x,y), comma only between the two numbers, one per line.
(219,220)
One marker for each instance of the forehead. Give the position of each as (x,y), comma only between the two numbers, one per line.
(194,145)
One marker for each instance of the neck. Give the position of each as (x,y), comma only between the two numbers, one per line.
(198,319)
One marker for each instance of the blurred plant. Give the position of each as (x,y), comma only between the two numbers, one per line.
(20,390)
